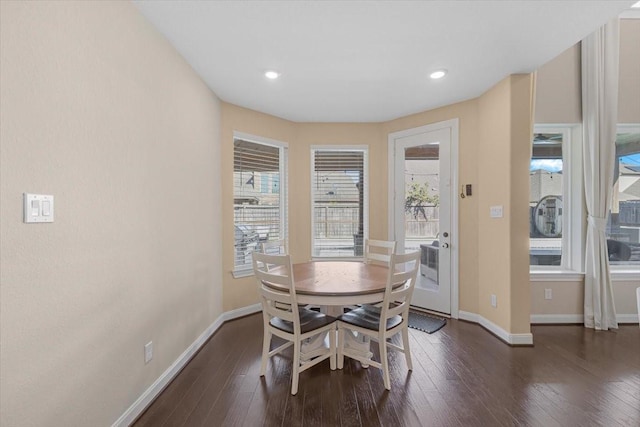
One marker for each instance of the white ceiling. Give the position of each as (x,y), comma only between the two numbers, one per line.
(355,61)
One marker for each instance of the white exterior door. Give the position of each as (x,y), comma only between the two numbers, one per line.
(423,209)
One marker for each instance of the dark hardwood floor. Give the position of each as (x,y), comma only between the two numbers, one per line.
(463,376)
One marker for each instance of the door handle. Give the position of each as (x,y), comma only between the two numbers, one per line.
(445,245)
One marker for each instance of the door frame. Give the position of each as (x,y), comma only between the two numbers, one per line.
(452,125)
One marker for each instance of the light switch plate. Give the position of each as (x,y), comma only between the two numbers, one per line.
(496,211)
(148,352)
(38,208)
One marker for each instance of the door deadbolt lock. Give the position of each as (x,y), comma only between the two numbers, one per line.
(445,234)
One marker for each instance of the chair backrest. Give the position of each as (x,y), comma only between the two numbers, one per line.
(274,274)
(401,281)
(378,251)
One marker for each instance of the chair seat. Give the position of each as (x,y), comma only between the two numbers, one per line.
(309,320)
(368,317)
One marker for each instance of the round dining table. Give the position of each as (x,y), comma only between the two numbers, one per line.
(333,285)
(339,283)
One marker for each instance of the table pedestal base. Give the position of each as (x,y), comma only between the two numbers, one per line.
(314,347)
(359,344)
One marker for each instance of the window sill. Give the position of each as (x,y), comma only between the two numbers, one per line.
(329,259)
(625,275)
(572,276)
(237,274)
(555,276)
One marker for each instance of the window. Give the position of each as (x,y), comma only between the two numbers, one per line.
(545,200)
(339,198)
(556,204)
(259,195)
(623,227)
(555,199)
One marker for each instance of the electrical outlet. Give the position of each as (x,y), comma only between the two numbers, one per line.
(148,352)
(548,294)
(495,211)
(494,301)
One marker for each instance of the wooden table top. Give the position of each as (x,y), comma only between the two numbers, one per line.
(339,278)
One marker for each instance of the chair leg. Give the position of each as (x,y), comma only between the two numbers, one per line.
(340,355)
(266,344)
(405,345)
(384,361)
(295,372)
(332,349)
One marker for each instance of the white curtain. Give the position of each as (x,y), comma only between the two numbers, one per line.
(599,117)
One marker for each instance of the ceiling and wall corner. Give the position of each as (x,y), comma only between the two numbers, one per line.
(558,94)
(368,61)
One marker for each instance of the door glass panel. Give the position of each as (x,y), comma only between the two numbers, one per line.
(421,209)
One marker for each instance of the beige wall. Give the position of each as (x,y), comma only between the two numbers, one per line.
(629,96)
(505,131)
(100,111)
(493,190)
(558,95)
(558,90)
(521,113)
(568,298)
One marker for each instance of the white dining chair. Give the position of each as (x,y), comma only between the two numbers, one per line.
(276,284)
(378,251)
(382,323)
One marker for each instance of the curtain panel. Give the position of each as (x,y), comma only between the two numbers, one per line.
(599,120)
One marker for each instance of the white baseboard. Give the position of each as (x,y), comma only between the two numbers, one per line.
(469,317)
(542,319)
(152,392)
(627,318)
(557,318)
(509,338)
(242,311)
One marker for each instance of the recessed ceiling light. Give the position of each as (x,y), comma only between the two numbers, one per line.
(272,75)
(438,74)
(636,5)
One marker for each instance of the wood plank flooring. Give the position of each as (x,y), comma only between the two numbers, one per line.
(463,376)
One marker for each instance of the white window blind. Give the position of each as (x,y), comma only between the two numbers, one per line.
(259,193)
(340,199)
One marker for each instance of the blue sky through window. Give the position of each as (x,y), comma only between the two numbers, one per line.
(555,165)
(631,159)
(550,165)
